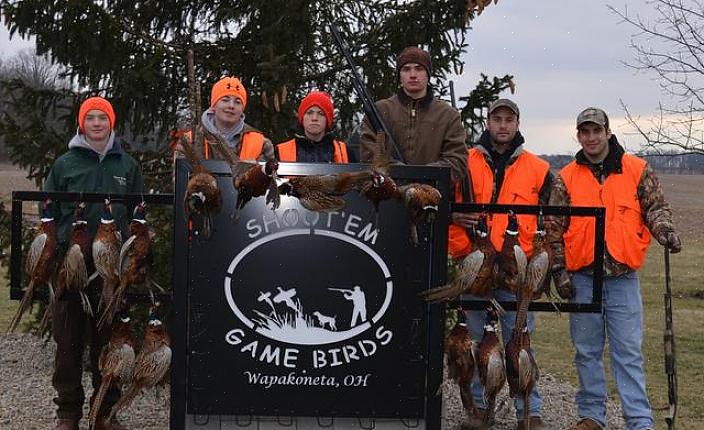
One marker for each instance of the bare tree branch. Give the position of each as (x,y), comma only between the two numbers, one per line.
(670,46)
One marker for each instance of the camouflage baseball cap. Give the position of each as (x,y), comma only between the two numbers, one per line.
(592,114)
(510,104)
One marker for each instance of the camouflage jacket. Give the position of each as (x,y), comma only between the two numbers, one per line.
(657,214)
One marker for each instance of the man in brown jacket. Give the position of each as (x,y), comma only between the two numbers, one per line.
(427,130)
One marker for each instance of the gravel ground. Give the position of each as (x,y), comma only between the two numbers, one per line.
(25,399)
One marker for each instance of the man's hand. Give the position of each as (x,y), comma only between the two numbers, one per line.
(563,284)
(671,240)
(466,220)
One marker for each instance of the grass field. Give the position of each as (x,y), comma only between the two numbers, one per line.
(686,193)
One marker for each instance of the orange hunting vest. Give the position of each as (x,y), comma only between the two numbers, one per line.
(627,238)
(287,151)
(250,148)
(523,180)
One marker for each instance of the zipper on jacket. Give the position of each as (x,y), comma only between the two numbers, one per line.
(412,123)
(495,191)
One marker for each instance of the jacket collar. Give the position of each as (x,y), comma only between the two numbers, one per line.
(422,102)
(611,164)
(301,139)
(115,151)
(486,147)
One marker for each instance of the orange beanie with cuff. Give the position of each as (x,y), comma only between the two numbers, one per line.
(228,86)
(95,103)
(323,101)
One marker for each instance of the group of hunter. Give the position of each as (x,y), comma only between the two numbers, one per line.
(429,131)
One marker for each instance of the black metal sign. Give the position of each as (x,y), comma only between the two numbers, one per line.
(296,313)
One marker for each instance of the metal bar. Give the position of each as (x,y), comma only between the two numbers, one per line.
(178,324)
(16,250)
(437,267)
(529,209)
(598,277)
(534,306)
(159,199)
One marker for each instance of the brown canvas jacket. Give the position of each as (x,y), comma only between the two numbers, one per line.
(428,132)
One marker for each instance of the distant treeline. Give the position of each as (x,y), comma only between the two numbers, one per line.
(689,164)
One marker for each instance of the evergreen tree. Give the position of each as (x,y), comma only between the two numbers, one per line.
(133,52)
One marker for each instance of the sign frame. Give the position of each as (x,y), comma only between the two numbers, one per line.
(436,266)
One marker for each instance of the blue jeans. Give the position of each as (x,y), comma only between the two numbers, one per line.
(621,320)
(476,321)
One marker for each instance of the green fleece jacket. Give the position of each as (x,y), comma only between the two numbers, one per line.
(82,170)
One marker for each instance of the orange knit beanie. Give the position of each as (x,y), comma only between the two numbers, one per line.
(323,101)
(228,86)
(95,103)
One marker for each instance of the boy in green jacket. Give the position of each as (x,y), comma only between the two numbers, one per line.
(95,162)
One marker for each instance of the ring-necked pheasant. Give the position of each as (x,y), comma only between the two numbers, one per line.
(322,193)
(202,192)
(250,179)
(540,262)
(422,202)
(474,275)
(75,268)
(39,265)
(382,186)
(490,362)
(511,262)
(106,254)
(459,351)
(521,369)
(151,364)
(116,363)
(135,262)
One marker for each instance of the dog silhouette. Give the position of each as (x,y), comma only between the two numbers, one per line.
(323,320)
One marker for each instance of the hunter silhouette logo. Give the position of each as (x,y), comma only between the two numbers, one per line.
(349,294)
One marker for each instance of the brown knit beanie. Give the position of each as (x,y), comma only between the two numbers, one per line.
(414,54)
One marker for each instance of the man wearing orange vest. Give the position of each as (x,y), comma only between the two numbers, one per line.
(503,172)
(602,174)
(225,118)
(315,141)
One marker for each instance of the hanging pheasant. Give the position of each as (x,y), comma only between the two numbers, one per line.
(116,364)
(202,192)
(106,254)
(474,275)
(75,268)
(40,262)
(250,179)
(421,202)
(151,364)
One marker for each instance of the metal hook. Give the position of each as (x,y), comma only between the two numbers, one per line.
(407,423)
(372,423)
(203,423)
(322,425)
(239,423)
(284,423)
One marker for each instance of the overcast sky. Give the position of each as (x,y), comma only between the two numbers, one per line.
(565,56)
